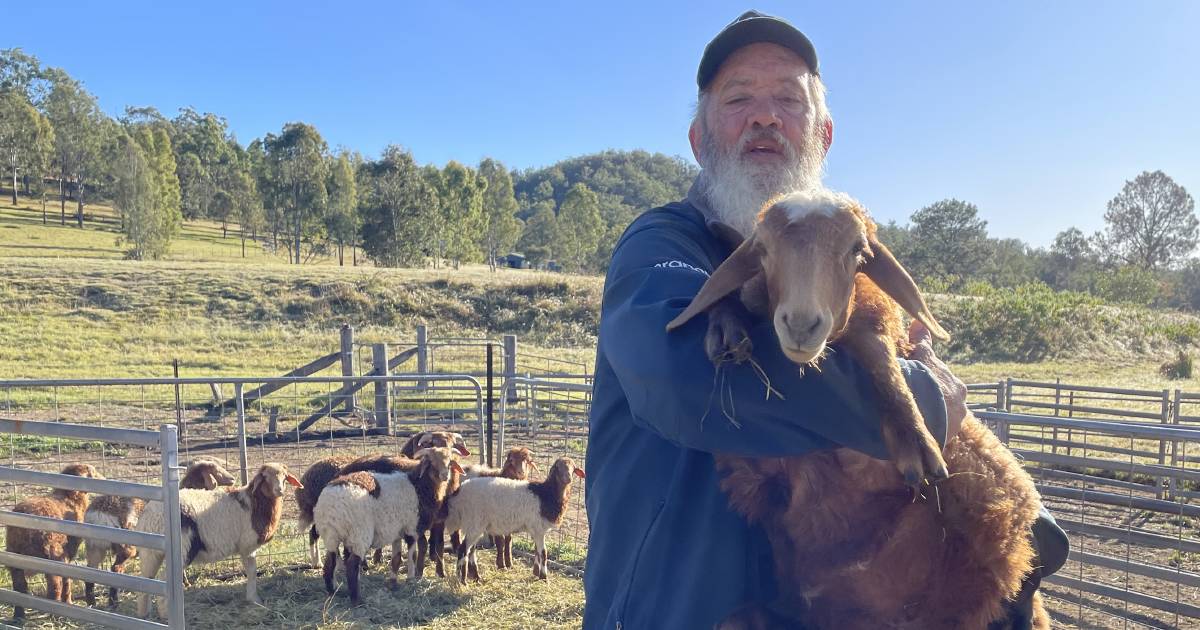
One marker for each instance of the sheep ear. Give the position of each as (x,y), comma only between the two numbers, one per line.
(534,466)
(462,450)
(210,481)
(579,473)
(456,468)
(742,265)
(290,478)
(884,270)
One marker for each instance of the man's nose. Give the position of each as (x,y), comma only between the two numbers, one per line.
(764,115)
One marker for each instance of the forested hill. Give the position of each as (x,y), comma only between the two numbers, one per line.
(624,184)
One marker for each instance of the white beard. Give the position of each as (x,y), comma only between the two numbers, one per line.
(736,190)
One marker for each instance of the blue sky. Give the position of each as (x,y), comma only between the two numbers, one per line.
(1037,112)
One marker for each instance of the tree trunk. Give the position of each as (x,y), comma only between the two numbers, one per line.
(14,167)
(297,241)
(43,206)
(341,260)
(354,252)
(224,229)
(25,178)
(79,213)
(62,199)
(243,244)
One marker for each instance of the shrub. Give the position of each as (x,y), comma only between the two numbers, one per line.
(1030,322)
(1178,368)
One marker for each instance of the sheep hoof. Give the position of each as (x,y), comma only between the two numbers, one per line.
(727,339)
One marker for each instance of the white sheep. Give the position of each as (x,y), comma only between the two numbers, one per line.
(123,513)
(216,524)
(369,509)
(500,507)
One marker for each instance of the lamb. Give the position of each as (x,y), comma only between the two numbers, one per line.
(216,524)
(855,548)
(67,505)
(123,512)
(517,464)
(362,509)
(322,472)
(501,507)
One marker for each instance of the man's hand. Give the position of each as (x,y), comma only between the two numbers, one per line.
(954,391)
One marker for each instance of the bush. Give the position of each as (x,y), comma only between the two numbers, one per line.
(1178,368)
(1030,322)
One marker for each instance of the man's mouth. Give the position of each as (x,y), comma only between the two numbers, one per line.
(762,147)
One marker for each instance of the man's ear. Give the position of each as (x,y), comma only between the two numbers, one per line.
(695,139)
(828,134)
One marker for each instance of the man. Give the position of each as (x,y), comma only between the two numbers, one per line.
(665,551)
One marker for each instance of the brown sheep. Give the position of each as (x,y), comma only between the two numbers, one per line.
(67,505)
(517,464)
(123,512)
(854,547)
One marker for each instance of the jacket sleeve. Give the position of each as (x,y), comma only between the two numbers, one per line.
(673,390)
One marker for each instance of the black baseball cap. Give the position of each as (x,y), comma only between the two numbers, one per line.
(752,27)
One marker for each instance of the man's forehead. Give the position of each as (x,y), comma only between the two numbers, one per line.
(758,62)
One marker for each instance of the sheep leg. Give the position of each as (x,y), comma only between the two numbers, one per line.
(394,566)
(913,450)
(437,544)
(460,552)
(378,557)
(416,563)
(331,558)
(508,551)
(498,543)
(473,563)
(353,563)
(455,538)
(53,587)
(313,554)
(21,586)
(727,338)
(250,566)
(539,556)
(95,556)
(124,553)
(151,561)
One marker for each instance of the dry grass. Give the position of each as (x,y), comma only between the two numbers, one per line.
(294,597)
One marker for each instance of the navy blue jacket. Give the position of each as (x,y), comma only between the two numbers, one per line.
(665,550)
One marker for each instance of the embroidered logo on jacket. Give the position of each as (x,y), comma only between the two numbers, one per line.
(679,264)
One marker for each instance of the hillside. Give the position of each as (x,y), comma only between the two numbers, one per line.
(71,307)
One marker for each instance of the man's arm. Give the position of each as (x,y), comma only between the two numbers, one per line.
(671,385)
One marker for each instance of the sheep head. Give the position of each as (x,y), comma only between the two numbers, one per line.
(520,459)
(271,479)
(437,461)
(808,247)
(562,470)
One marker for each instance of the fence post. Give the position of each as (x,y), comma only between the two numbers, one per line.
(241,429)
(422,355)
(510,363)
(379,356)
(490,396)
(1008,394)
(179,403)
(169,447)
(1165,419)
(347,342)
(999,395)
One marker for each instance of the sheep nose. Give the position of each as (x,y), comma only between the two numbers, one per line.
(802,329)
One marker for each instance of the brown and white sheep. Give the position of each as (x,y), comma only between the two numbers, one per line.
(67,505)
(364,509)
(216,524)
(501,507)
(517,465)
(854,547)
(321,472)
(123,512)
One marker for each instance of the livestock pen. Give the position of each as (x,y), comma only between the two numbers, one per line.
(1119,469)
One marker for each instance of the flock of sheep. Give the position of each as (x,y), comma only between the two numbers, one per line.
(354,504)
